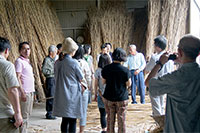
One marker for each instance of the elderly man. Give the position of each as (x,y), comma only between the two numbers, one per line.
(157,102)
(9,97)
(48,71)
(25,77)
(181,86)
(136,64)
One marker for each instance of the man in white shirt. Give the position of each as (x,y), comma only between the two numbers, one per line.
(157,102)
(136,64)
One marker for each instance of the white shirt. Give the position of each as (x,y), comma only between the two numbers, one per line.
(167,67)
(198,59)
(135,62)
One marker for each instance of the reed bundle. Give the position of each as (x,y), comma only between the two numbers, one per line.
(168,18)
(33,21)
(110,23)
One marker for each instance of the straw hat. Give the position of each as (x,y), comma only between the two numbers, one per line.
(69,45)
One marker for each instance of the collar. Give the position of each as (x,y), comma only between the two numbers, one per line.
(25,59)
(2,57)
(190,64)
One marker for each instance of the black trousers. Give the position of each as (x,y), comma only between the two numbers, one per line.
(102,117)
(50,89)
(68,125)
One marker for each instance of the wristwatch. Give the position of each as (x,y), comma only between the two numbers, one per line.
(159,63)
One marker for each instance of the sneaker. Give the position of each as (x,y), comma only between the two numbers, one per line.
(134,102)
(50,117)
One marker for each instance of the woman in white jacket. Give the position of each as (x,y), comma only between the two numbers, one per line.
(86,82)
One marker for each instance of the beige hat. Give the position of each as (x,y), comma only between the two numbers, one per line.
(69,45)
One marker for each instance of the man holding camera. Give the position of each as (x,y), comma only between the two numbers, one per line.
(157,102)
(181,86)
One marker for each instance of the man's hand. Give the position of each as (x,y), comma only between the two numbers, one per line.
(164,58)
(95,98)
(18,120)
(83,88)
(177,59)
(23,97)
(136,72)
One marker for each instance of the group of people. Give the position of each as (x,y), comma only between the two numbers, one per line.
(70,73)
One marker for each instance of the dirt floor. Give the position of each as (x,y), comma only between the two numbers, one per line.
(138,119)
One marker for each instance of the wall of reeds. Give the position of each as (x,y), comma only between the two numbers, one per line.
(109,23)
(33,21)
(168,18)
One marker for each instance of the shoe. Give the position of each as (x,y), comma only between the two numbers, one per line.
(103,131)
(142,102)
(50,117)
(134,102)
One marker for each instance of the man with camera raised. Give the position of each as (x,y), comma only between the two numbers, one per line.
(181,86)
(157,102)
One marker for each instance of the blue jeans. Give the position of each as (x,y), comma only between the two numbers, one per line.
(85,106)
(137,80)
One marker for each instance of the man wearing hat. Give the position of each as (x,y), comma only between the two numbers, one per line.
(48,71)
(181,86)
(157,102)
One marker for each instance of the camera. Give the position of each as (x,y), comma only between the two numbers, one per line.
(172,57)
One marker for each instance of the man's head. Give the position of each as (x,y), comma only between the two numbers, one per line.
(59,47)
(24,49)
(132,49)
(4,47)
(189,47)
(104,48)
(52,51)
(160,43)
(109,46)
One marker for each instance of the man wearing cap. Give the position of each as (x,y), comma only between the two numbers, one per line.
(25,77)
(157,102)
(136,64)
(48,71)
(181,86)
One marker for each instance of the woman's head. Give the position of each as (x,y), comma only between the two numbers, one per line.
(79,53)
(119,54)
(104,60)
(87,48)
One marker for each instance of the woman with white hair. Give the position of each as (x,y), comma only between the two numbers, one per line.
(68,92)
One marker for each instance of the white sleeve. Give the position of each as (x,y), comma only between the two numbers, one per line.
(150,64)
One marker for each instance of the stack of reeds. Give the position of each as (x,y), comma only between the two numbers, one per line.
(35,22)
(168,18)
(109,23)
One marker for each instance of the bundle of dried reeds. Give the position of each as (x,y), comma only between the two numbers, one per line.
(110,23)
(168,18)
(33,21)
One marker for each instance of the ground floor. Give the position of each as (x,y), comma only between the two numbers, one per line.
(138,119)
